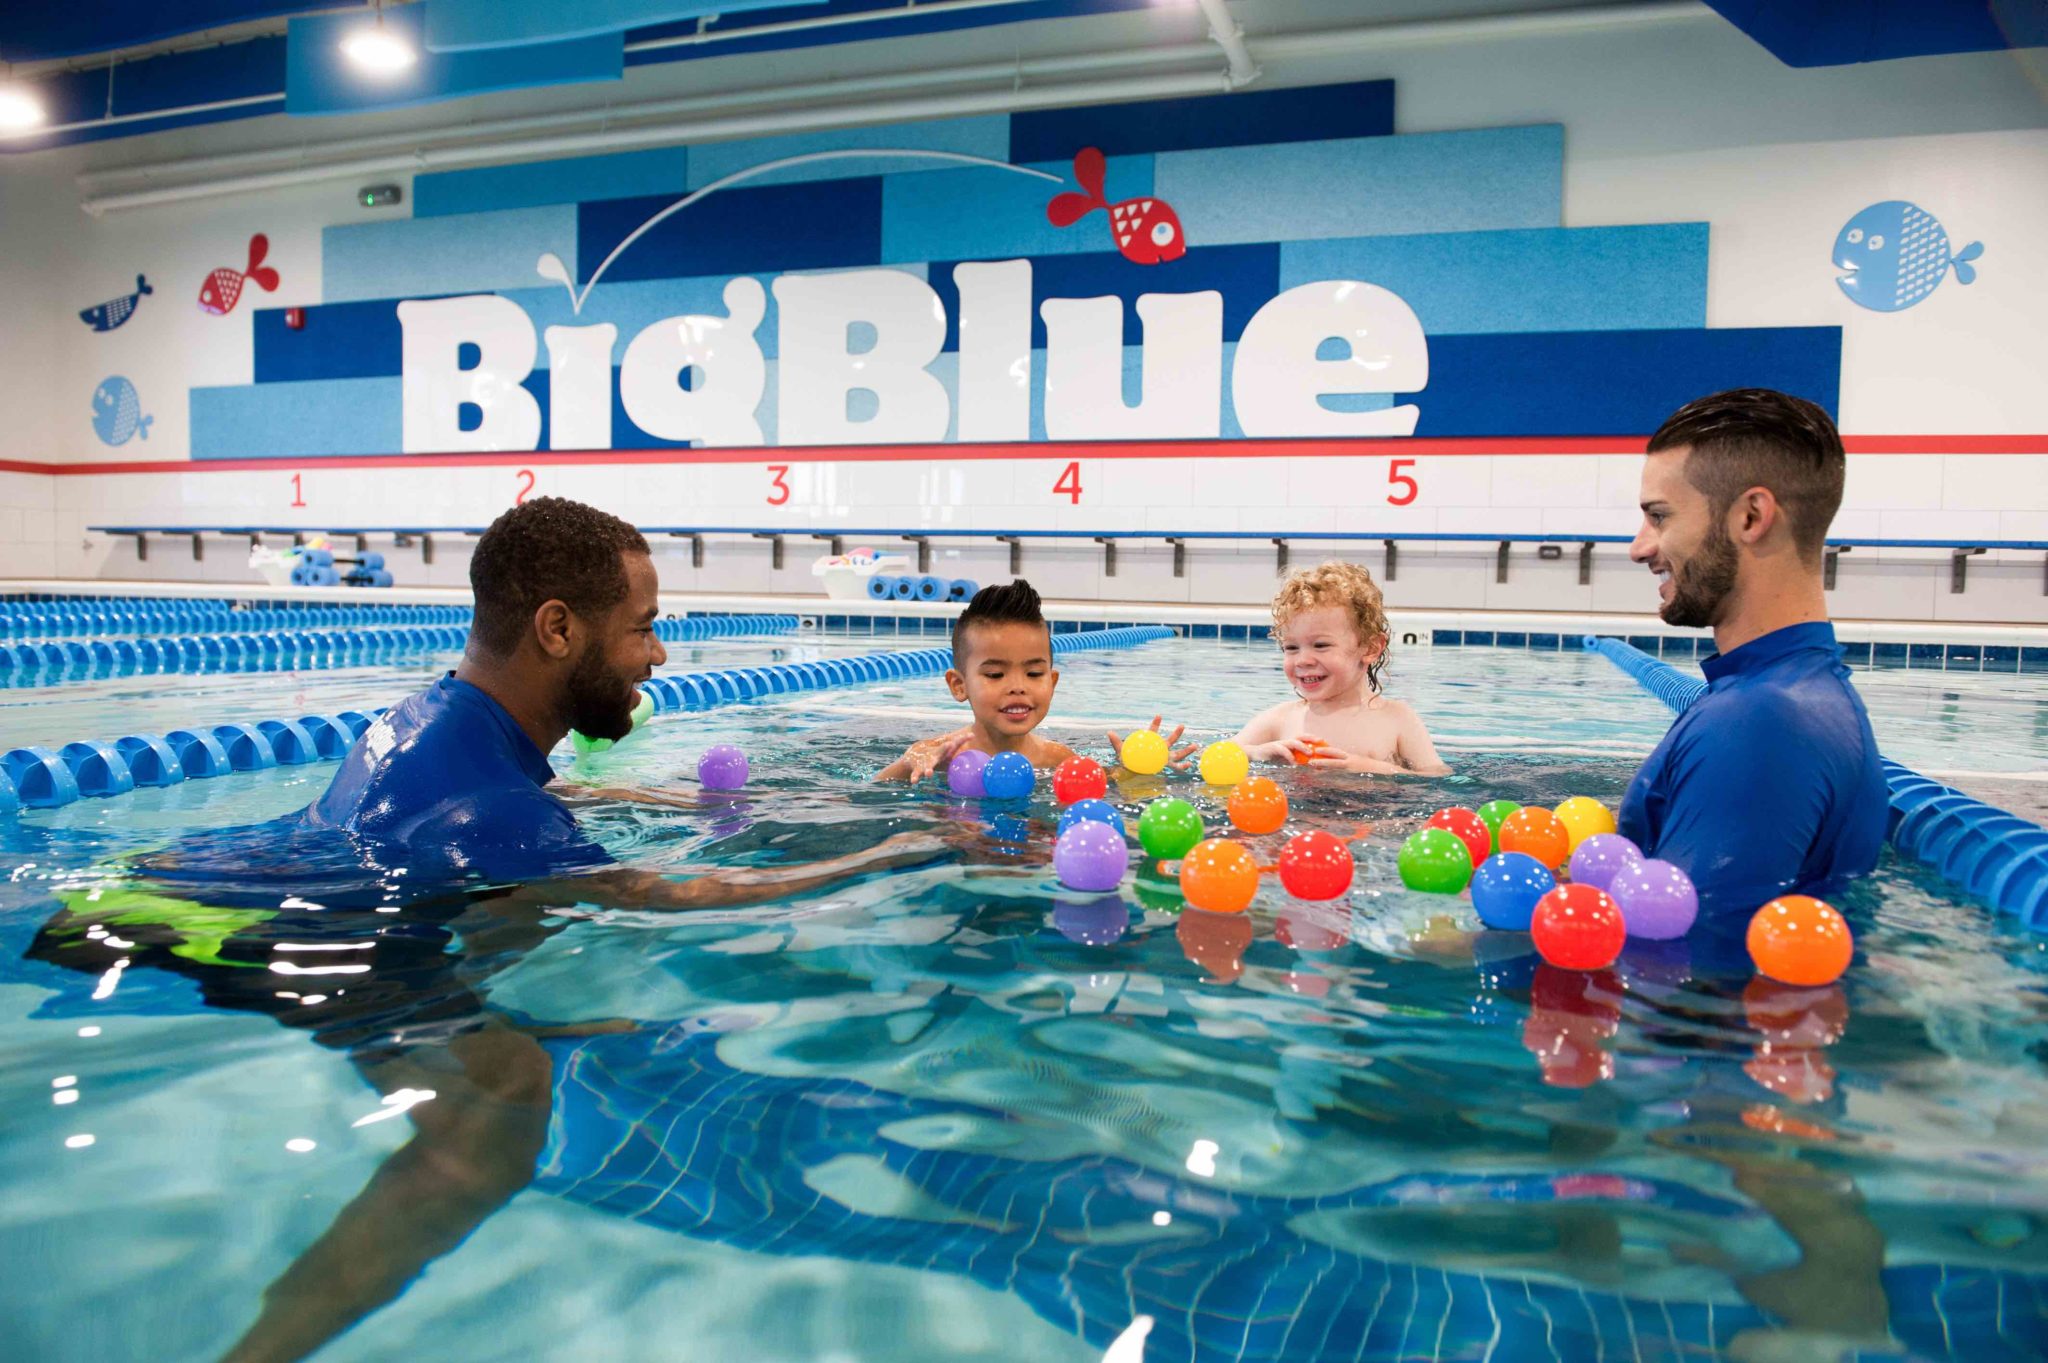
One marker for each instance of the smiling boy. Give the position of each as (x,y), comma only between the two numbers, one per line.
(1002,669)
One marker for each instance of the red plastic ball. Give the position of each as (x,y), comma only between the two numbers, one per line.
(1316,865)
(1577,927)
(1469,828)
(1079,778)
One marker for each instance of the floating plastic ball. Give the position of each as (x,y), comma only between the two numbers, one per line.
(1091,857)
(1797,939)
(1493,813)
(1315,745)
(963,773)
(1577,927)
(1169,828)
(1079,778)
(1091,811)
(1008,776)
(1657,900)
(1506,887)
(1469,828)
(1091,922)
(1219,875)
(1224,764)
(643,710)
(1435,861)
(1145,753)
(1583,817)
(1258,806)
(1316,865)
(1537,833)
(1595,861)
(722,768)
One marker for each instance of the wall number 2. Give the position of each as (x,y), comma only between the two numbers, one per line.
(1069,482)
(778,484)
(525,486)
(1409,490)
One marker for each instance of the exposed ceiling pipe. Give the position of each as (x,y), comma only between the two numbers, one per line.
(911,10)
(1227,35)
(707,130)
(724,116)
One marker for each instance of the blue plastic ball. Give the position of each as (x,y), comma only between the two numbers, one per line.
(1506,887)
(1091,811)
(1008,776)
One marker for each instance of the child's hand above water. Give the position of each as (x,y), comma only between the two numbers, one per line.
(1296,750)
(926,756)
(1324,757)
(1176,758)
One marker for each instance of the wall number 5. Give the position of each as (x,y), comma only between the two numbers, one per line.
(1396,478)
(778,484)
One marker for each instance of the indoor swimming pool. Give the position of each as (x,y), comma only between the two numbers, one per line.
(955,1111)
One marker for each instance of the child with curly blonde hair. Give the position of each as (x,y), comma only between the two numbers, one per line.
(1331,623)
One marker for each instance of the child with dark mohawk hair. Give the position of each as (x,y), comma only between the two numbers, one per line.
(1003,671)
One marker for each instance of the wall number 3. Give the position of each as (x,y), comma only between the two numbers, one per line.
(778,484)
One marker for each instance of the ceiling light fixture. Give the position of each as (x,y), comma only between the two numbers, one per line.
(20,110)
(377,50)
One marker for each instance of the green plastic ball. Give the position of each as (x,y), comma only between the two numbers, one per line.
(1494,813)
(1435,861)
(1169,828)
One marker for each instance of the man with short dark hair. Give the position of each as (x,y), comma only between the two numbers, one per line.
(1769,784)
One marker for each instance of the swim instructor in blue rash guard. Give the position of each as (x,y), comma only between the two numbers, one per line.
(1769,784)
(452,782)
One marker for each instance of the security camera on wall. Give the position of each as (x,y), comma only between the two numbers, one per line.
(379,196)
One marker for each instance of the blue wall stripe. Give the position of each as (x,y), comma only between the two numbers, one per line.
(1368,187)
(985,135)
(1545,279)
(777,227)
(1613,382)
(1247,277)
(330,416)
(975,214)
(449,192)
(1357,109)
(339,341)
(422,257)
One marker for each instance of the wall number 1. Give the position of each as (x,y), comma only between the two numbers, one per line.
(298,492)
(1069,482)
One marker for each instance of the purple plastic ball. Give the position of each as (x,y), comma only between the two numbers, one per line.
(1090,857)
(1656,899)
(722,768)
(963,773)
(1601,856)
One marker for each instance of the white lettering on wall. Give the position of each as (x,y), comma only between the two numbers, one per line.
(1181,369)
(1277,383)
(728,376)
(580,386)
(435,387)
(822,365)
(995,350)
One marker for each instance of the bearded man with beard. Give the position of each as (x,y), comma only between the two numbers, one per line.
(1770,783)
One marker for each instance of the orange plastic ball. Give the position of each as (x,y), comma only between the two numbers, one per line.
(1469,828)
(1219,875)
(1537,833)
(1258,806)
(1797,939)
(1314,745)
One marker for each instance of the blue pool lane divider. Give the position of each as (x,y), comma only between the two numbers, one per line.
(926,588)
(137,615)
(54,661)
(1993,855)
(37,778)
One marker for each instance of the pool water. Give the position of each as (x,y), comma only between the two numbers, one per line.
(956,1112)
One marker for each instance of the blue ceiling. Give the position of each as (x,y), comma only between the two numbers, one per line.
(1843,32)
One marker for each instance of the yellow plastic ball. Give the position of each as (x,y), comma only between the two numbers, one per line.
(1145,753)
(1225,764)
(1582,817)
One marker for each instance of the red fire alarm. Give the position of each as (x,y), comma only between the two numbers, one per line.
(295,318)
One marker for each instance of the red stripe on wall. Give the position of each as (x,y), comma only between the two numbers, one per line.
(1055,450)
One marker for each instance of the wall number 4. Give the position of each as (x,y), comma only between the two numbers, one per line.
(1069,482)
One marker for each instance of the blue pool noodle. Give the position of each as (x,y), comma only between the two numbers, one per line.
(962,589)
(931,588)
(881,587)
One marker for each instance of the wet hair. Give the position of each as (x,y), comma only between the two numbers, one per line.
(1012,603)
(1755,437)
(550,549)
(1348,587)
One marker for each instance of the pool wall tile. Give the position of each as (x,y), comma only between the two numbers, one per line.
(2001,658)
(1479,636)
(1925,655)
(1445,637)
(1507,640)
(1892,655)
(1546,641)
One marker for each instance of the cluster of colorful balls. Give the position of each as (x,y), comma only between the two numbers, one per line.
(1219,875)
(1510,857)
